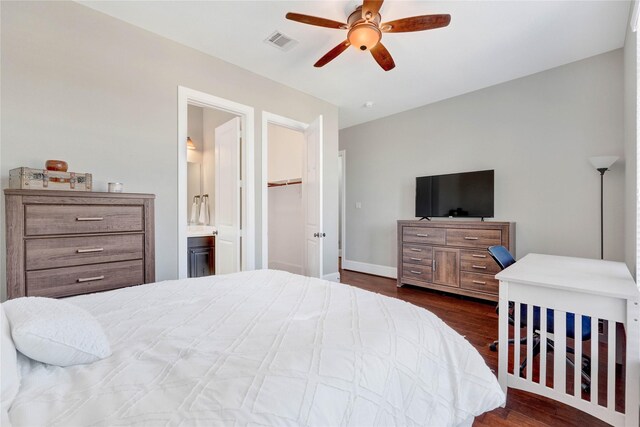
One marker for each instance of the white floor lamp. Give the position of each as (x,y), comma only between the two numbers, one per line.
(602,164)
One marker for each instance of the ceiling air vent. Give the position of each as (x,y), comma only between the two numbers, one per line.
(279,40)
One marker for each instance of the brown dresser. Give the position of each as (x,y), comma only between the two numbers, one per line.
(62,243)
(452,256)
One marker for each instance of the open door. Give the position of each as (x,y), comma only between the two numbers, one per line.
(312,199)
(227,197)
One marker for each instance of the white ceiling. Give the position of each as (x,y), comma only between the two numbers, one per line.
(487,42)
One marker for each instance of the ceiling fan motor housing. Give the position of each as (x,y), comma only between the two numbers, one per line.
(363,33)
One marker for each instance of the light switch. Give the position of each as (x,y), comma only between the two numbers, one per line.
(358,205)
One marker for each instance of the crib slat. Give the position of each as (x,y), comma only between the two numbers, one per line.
(611,365)
(577,342)
(529,374)
(594,360)
(516,340)
(543,346)
(560,351)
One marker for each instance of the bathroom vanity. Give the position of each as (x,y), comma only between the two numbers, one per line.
(201,247)
(201,252)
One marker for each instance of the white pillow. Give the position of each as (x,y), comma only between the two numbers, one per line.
(55,332)
(10,377)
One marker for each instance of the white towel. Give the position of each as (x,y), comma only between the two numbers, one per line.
(204,211)
(194,212)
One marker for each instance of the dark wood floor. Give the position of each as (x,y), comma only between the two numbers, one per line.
(478,322)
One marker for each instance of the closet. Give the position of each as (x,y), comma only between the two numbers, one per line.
(285,203)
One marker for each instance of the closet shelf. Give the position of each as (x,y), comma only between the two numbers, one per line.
(280,183)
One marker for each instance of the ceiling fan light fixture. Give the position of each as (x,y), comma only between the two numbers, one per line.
(364,36)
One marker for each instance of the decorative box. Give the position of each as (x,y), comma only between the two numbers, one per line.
(42,179)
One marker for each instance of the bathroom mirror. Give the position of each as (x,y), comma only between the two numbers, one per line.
(194,183)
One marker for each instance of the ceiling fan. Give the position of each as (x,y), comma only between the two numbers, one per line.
(365,30)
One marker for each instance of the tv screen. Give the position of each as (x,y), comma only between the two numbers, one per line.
(468,194)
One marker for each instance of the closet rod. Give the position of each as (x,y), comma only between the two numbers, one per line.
(285,182)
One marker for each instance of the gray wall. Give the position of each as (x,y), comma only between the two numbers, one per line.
(102,94)
(631,146)
(537,133)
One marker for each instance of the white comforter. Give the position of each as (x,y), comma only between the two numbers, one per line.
(261,348)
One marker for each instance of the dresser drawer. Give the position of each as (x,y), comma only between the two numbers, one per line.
(434,236)
(52,252)
(76,219)
(478,262)
(473,238)
(417,254)
(417,272)
(59,282)
(479,282)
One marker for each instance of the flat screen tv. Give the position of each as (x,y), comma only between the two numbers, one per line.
(468,194)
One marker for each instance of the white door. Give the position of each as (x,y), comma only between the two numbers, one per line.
(312,199)
(227,197)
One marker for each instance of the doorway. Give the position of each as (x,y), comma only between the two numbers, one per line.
(306,186)
(213,157)
(285,205)
(342,211)
(232,205)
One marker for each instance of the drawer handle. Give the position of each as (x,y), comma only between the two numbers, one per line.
(415,272)
(90,218)
(86,251)
(478,282)
(422,235)
(470,238)
(90,279)
(478,256)
(481,267)
(415,259)
(415,250)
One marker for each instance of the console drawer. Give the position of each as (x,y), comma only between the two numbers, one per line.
(52,252)
(77,219)
(417,254)
(473,237)
(60,282)
(479,282)
(478,262)
(417,272)
(434,236)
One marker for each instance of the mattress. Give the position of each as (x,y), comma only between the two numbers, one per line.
(261,348)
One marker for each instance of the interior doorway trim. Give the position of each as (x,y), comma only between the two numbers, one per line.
(188,96)
(270,118)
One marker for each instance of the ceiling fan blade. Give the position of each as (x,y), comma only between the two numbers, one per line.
(332,54)
(382,57)
(314,20)
(371,7)
(416,23)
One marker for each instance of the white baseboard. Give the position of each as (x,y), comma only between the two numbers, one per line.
(363,267)
(285,266)
(332,277)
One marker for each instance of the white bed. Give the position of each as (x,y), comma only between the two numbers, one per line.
(261,348)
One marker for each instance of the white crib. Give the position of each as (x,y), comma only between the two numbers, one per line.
(605,292)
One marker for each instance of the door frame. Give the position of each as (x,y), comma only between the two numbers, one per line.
(270,118)
(246,113)
(342,158)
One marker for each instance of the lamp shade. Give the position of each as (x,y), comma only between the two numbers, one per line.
(190,144)
(364,36)
(603,162)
